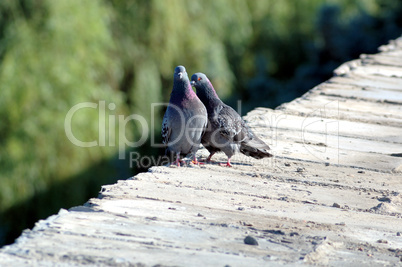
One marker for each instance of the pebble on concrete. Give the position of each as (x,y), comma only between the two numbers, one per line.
(249,240)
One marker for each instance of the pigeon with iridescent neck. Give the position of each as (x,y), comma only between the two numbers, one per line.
(185,118)
(226,130)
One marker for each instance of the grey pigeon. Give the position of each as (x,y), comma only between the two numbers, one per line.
(226,130)
(185,118)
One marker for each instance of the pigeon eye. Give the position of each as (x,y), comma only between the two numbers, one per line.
(199,79)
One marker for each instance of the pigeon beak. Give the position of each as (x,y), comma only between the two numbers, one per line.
(180,75)
(192,83)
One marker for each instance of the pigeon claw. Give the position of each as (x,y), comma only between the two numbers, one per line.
(178,160)
(196,162)
(227,164)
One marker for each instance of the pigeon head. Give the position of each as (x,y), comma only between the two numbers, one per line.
(199,80)
(180,73)
(204,87)
(181,84)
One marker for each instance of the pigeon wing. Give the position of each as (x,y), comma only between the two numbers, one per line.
(230,123)
(166,129)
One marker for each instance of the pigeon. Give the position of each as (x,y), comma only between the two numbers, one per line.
(185,118)
(226,130)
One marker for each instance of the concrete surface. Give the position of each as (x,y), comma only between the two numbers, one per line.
(330,196)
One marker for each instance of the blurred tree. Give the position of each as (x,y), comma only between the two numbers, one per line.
(297,45)
(55,55)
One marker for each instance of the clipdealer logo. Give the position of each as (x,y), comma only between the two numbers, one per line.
(120,125)
(322,123)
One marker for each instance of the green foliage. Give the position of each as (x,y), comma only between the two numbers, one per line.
(297,45)
(51,63)
(47,69)
(56,54)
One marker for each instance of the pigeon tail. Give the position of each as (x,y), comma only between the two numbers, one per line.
(255,148)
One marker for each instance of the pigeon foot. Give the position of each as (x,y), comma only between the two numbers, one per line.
(196,162)
(227,164)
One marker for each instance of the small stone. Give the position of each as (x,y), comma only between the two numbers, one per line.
(384,199)
(382,241)
(240,208)
(200,215)
(360,172)
(327,164)
(300,169)
(287,164)
(249,240)
(267,257)
(246,224)
(336,205)
(398,234)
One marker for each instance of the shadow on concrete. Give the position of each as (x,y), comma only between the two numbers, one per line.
(72,191)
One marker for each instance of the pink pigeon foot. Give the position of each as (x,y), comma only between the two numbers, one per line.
(227,164)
